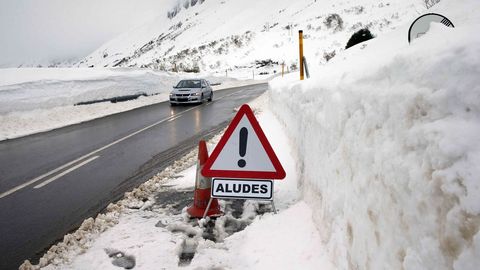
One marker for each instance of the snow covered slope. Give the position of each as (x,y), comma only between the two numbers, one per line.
(215,35)
(387,141)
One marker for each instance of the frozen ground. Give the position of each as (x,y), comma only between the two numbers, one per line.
(40,99)
(150,230)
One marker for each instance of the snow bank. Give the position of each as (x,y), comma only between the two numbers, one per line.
(387,140)
(33,100)
(44,88)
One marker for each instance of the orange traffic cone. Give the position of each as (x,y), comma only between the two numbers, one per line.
(203,187)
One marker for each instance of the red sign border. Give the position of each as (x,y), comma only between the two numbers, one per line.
(279,172)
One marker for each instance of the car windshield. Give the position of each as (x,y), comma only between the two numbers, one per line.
(189,84)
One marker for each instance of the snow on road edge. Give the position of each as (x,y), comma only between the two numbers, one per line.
(64,254)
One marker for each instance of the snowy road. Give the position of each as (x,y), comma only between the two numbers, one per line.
(50,182)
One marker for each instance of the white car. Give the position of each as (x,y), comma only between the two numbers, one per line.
(191,91)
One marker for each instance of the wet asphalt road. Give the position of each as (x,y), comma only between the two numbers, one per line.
(50,182)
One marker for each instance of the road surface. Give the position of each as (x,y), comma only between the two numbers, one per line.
(50,182)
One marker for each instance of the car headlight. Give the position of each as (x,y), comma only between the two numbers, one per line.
(171,94)
(196,94)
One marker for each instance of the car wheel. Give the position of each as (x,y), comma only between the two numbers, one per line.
(201,99)
(211,97)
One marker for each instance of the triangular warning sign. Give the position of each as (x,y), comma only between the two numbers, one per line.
(244,151)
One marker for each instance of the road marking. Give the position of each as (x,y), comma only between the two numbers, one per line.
(174,118)
(46,182)
(17,188)
(40,177)
(226,96)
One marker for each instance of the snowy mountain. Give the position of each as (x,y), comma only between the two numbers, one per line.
(42,63)
(215,35)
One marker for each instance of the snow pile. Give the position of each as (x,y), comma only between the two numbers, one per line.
(41,88)
(387,140)
(78,240)
(288,240)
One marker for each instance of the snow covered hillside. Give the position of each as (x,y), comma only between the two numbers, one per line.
(219,35)
(387,144)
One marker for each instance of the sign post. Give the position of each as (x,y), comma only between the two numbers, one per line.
(243,163)
(300,48)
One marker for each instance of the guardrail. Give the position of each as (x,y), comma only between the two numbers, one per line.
(115,99)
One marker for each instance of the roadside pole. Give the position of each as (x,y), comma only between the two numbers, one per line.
(300,46)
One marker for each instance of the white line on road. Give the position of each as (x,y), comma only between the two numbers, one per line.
(174,118)
(226,95)
(17,188)
(65,172)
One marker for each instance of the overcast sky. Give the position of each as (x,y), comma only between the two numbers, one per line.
(39,30)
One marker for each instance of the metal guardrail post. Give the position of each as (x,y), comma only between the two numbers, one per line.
(306,67)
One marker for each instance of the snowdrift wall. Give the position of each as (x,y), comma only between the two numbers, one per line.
(388,144)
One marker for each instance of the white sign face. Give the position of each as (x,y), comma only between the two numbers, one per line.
(254,156)
(242,189)
(244,152)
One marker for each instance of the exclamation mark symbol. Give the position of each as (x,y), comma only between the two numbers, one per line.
(243,146)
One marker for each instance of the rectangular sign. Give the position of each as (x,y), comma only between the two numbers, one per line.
(242,189)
